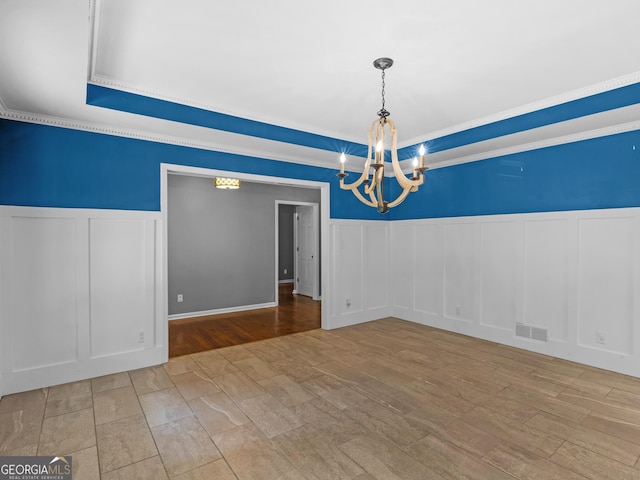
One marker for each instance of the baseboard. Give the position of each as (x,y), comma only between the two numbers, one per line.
(355,318)
(290,280)
(241,308)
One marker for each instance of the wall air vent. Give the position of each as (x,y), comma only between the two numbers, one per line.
(540,334)
(534,333)
(523,330)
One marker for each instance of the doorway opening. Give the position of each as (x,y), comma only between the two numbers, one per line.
(274,315)
(297,256)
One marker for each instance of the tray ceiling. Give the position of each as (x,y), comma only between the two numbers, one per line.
(308,66)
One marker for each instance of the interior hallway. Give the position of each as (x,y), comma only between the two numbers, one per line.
(379,400)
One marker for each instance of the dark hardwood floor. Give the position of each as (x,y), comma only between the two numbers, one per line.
(294,313)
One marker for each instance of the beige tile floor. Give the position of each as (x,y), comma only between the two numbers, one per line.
(386,399)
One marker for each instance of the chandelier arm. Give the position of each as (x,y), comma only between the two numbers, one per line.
(382,207)
(371,155)
(406,184)
(365,170)
(375,192)
(397,170)
(403,180)
(359,196)
(353,186)
(375,180)
(401,197)
(369,188)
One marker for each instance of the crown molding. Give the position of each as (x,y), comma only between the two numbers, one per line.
(122,86)
(585,92)
(310,160)
(329,159)
(525,147)
(612,84)
(602,87)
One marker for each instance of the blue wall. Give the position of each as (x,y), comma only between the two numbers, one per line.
(597,173)
(49,166)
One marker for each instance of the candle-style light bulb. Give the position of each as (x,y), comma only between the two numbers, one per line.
(415,162)
(379,148)
(343,159)
(422,151)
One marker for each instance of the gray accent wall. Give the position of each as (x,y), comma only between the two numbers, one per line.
(221,243)
(285,242)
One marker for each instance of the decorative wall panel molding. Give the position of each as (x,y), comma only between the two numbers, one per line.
(559,283)
(546,256)
(500,272)
(359,272)
(429,265)
(460,271)
(606,309)
(80,293)
(42,286)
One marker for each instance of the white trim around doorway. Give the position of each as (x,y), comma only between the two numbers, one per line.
(317,274)
(167,169)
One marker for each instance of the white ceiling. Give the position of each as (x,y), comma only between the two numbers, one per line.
(307,65)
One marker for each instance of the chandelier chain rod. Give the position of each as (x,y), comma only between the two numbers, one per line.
(382,89)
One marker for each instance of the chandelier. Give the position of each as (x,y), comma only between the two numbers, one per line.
(372,179)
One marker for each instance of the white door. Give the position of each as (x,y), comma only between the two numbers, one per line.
(306,254)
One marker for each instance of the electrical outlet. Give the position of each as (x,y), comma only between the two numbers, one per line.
(180,298)
(141,337)
(348,302)
(458,310)
(601,337)
(285,270)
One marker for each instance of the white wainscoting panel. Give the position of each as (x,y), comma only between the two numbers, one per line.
(80,295)
(571,279)
(402,257)
(43,287)
(429,267)
(460,254)
(118,265)
(359,280)
(501,254)
(605,283)
(376,265)
(349,268)
(546,281)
